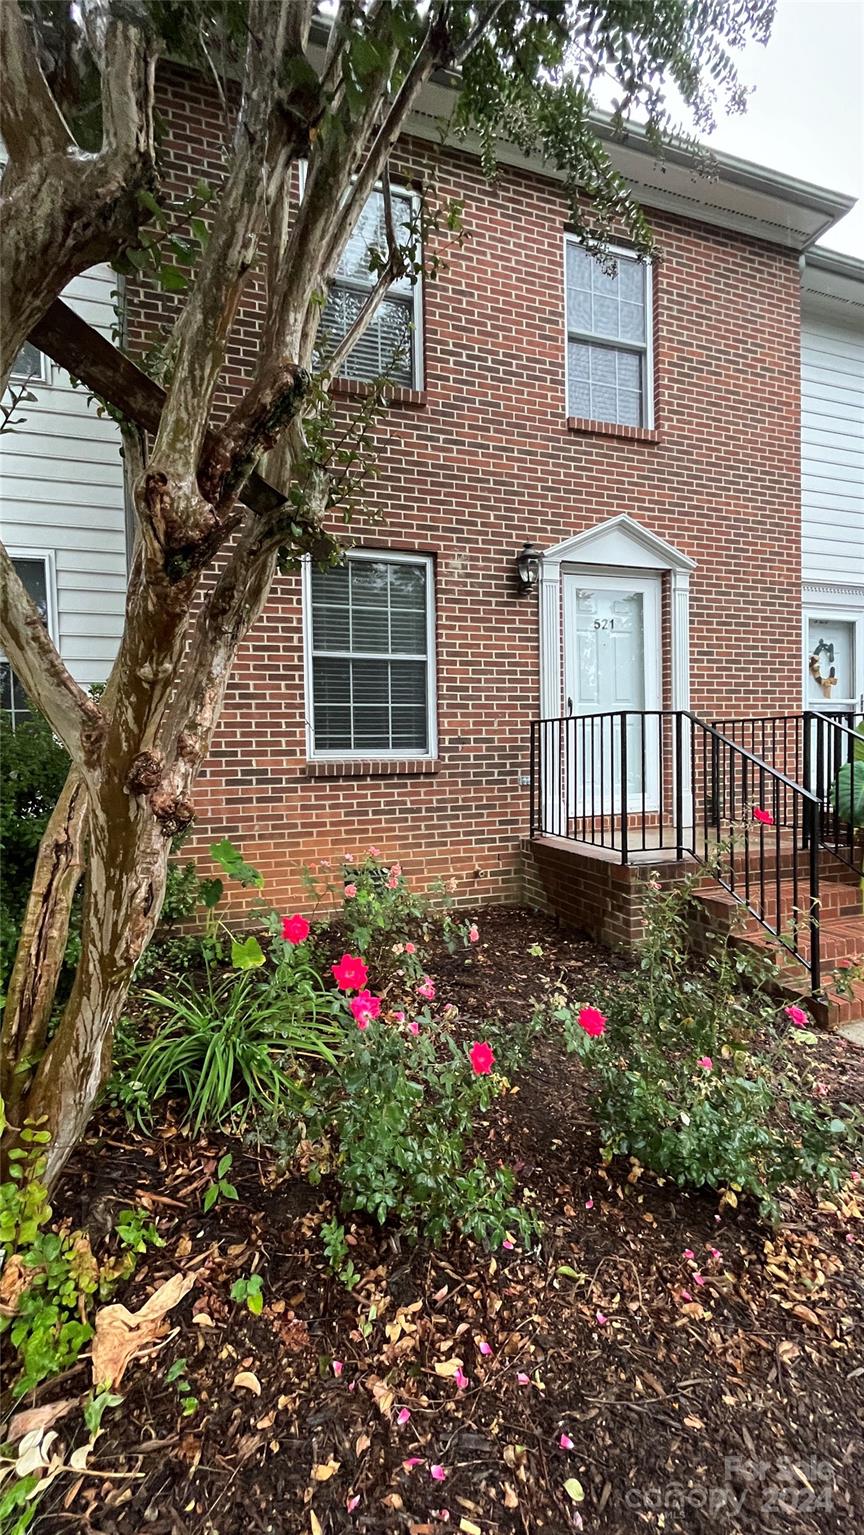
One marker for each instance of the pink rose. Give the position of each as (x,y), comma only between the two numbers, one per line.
(482,1059)
(295,929)
(592,1021)
(364,1007)
(350,974)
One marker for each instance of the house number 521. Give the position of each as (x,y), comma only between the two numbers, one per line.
(604,623)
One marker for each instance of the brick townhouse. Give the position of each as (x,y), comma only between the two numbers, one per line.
(640,428)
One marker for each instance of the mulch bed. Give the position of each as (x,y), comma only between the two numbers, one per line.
(734,1405)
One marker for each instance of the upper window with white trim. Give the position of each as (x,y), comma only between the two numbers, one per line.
(608,338)
(391,345)
(35,574)
(370,657)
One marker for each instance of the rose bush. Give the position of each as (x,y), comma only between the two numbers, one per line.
(695,1071)
(400,1115)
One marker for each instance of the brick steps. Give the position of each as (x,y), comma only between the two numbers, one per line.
(836,899)
(841,936)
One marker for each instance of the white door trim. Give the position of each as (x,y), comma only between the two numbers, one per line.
(840,604)
(622,547)
(650,586)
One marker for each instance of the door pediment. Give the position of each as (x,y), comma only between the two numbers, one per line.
(620,543)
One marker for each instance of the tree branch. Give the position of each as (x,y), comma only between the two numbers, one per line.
(128,74)
(393,268)
(87,354)
(206,322)
(75,718)
(63,210)
(42,943)
(31,123)
(378,153)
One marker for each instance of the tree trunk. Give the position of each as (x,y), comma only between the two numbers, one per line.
(126,869)
(42,943)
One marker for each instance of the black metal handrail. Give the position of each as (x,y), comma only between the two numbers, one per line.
(812,747)
(833,745)
(639,782)
(762,824)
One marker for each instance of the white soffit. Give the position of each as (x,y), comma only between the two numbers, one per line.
(734,195)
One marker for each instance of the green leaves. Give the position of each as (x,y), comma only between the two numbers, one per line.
(847,794)
(210,893)
(220,1188)
(95,1408)
(247,955)
(249,1292)
(404,1119)
(228,1047)
(234,864)
(62,1277)
(176,1376)
(755,1119)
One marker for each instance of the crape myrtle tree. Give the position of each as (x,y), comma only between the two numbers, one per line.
(329,87)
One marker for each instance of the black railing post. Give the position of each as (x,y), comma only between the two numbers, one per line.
(623,786)
(851,744)
(807,770)
(532,782)
(679,785)
(715,782)
(815,966)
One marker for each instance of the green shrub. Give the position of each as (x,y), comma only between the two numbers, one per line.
(54,1278)
(35,766)
(697,1077)
(403,1112)
(378,915)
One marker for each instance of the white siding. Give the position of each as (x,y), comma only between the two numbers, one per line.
(832,446)
(61,489)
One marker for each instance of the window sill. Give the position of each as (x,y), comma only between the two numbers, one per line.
(373,767)
(612,429)
(394,394)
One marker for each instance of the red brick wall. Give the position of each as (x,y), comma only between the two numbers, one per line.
(483,462)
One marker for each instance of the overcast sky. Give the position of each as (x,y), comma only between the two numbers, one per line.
(806,114)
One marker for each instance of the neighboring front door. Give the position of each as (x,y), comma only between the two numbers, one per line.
(612,648)
(834,660)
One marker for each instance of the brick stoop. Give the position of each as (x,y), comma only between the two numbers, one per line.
(841,938)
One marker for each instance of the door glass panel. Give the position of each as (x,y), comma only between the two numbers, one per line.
(831,680)
(609,676)
(611,630)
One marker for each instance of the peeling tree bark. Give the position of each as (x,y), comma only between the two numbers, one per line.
(44,931)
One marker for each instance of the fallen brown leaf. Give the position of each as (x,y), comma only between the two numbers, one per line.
(448,1367)
(121,1334)
(244,1380)
(14,1280)
(382,1394)
(39,1417)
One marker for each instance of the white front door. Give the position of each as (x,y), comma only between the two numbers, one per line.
(612,649)
(834,660)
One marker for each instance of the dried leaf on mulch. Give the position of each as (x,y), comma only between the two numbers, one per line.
(121,1334)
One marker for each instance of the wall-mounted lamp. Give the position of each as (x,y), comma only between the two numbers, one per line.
(528,567)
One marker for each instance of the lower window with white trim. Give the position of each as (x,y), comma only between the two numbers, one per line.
(370,656)
(35,573)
